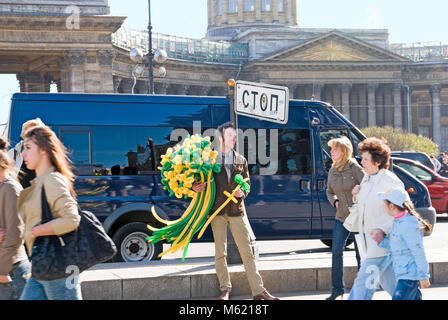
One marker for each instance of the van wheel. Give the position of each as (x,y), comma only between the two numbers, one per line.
(329,242)
(132,245)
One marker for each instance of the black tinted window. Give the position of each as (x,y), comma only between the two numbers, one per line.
(134,149)
(278,151)
(116,150)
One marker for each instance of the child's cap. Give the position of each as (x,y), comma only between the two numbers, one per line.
(396,195)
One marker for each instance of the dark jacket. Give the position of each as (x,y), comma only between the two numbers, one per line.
(340,185)
(239,167)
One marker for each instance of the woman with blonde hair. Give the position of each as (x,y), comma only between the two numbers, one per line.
(345,173)
(14,264)
(45,153)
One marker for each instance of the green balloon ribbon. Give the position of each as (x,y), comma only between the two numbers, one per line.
(193,157)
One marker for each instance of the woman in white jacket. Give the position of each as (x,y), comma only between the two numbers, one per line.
(376,267)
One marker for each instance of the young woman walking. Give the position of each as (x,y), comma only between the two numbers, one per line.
(46,155)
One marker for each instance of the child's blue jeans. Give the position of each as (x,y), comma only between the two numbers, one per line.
(407,290)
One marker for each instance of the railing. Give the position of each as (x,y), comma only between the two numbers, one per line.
(184,48)
(422,51)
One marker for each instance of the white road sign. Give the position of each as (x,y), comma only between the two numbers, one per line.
(262,101)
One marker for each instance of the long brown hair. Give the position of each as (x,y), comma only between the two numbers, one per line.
(409,207)
(47,141)
(5,163)
(4,145)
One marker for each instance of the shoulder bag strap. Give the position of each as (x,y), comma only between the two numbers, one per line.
(46,211)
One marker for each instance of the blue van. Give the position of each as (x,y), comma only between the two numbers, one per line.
(116,140)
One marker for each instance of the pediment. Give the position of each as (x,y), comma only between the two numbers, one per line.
(331,50)
(332,47)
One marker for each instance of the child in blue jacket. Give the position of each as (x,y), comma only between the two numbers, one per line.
(405,242)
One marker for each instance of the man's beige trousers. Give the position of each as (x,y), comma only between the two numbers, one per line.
(240,231)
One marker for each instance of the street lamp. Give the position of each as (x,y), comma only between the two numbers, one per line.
(158,56)
(150,54)
(136,56)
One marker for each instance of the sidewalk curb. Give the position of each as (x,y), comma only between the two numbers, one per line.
(192,281)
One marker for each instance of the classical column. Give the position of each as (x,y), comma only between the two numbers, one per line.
(165,87)
(126,85)
(435,95)
(204,90)
(289,9)
(337,97)
(257,10)
(117,82)
(209,13)
(380,107)
(409,109)
(106,59)
(292,88)
(388,106)
(33,82)
(183,89)
(142,87)
(293,13)
(213,12)
(317,91)
(345,92)
(225,9)
(274,8)
(240,10)
(92,74)
(371,90)
(398,121)
(76,63)
(363,108)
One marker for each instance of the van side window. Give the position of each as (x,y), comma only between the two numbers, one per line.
(117,150)
(325,136)
(293,152)
(78,147)
(129,150)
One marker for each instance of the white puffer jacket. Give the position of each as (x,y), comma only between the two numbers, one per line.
(372,210)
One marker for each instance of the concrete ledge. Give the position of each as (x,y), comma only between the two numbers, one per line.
(161,281)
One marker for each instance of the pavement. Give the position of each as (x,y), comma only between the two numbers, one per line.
(289,275)
(435,292)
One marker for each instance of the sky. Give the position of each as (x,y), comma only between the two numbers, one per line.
(407,21)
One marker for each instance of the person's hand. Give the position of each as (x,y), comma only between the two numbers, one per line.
(33,232)
(377,235)
(2,235)
(336,204)
(238,194)
(424,283)
(5,279)
(199,186)
(356,189)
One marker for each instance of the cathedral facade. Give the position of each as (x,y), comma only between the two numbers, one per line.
(81,48)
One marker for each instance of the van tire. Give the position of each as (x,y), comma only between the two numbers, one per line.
(132,245)
(329,242)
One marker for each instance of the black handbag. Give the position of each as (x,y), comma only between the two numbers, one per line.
(83,248)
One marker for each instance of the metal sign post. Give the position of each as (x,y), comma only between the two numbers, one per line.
(261,101)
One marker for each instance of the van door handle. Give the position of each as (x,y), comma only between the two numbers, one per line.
(305,185)
(321,184)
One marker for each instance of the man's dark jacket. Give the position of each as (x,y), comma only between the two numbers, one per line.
(239,167)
